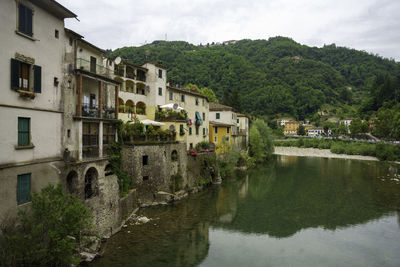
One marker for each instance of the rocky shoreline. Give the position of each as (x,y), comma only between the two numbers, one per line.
(315,152)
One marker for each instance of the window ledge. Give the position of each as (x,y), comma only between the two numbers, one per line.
(17,147)
(24,204)
(26,36)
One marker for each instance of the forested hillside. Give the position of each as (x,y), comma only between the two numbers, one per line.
(270,77)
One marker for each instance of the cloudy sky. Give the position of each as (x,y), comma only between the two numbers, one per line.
(370,25)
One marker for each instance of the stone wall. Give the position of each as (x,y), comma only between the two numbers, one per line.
(154,170)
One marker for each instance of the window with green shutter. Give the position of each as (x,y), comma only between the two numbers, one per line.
(190,130)
(25,15)
(204,131)
(24,131)
(217,116)
(24,188)
(197,130)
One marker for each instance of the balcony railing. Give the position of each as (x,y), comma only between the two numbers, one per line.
(86,65)
(146,138)
(90,111)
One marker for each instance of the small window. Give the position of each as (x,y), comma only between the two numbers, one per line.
(93,63)
(227,138)
(160,74)
(237,120)
(174,155)
(24,188)
(145,160)
(204,116)
(71,41)
(217,116)
(216,129)
(25,15)
(145,178)
(197,101)
(24,131)
(183,98)
(227,129)
(181,131)
(190,130)
(204,131)
(197,130)
(171,95)
(215,139)
(56,34)
(191,145)
(159,91)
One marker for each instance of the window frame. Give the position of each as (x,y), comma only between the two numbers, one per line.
(182,98)
(25,132)
(215,129)
(160,73)
(160,91)
(23,27)
(228,129)
(22,199)
(171,96)
(217,116)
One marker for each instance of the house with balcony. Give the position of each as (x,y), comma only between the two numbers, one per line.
(193,123)
(223,124)
(31,110)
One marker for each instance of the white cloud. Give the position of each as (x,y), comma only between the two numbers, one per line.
(369,25)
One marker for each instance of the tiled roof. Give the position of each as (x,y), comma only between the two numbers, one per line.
(188,91)
(216,106)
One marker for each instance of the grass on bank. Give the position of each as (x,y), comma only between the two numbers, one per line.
(384,152)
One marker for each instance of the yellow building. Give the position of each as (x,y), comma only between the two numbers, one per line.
(291,127)
(219,134)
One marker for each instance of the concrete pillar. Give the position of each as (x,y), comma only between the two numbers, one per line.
(100,99)
(116,102)
(79,106)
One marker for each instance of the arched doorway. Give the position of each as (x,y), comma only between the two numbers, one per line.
(129,106)
(141,108)
(91,177)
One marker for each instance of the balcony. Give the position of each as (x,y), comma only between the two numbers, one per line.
(92,111)
(92,67)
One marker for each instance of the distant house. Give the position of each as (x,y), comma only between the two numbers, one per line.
(291,127)
(318,131)
(347,121)
(282,121)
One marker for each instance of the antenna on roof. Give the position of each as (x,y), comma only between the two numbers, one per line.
(117,60)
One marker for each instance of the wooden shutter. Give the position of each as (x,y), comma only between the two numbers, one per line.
(21,18)
(28,26)
(15,74)
(23,131)
(23,188)
(37,79)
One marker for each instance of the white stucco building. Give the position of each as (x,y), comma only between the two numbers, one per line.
(31,110)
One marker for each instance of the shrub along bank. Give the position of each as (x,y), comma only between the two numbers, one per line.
(380,150)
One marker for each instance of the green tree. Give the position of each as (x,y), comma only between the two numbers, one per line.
(209,93)
(49,233)
(261,140)
(355,126)
(301,130)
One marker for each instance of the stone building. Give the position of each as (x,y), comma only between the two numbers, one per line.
(241,138)
(31,105)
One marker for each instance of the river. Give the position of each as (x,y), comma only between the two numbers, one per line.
(294,211)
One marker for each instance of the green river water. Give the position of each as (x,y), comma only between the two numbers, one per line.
(295,211)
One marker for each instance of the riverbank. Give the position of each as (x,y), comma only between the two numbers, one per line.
(315,152)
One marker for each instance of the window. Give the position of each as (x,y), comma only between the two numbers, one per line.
(197,130)
(23,188)
(204,131)
(181,131)
(204,116)
(159,91)
(24,131)
(108,134)
(227,138)
(71,41)
(21,78)
(145,178)
(160,74)
(216,129)
(190,130)
(237,120)
(93,62)
(90,139)
(227,129)
(196,101)
(217,116)
(56,34)
(145,160)
(171,95)
(183,98)
(216,139)
(191,145)
(25,15)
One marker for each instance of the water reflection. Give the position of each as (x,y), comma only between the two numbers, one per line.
(290,195)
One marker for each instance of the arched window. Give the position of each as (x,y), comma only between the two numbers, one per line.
(141,108)
(130,86)
(174,155)
(91,183)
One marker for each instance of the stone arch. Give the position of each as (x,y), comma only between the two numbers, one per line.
(130,72)
(72,182)
(108,170)
(141,108)
(130,86)
(91,178)
(129,106)
(174,155)
(118,79)
(140,88)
